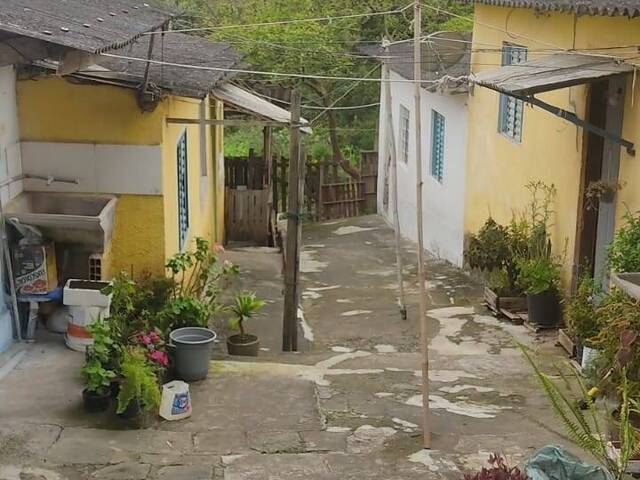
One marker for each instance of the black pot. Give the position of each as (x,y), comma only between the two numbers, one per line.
(247,345)
(133,410)
(114,389)
(579,347)
(95,402)
(544,308)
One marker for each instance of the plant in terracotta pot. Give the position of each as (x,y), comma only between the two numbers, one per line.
(139,389)
(245,306)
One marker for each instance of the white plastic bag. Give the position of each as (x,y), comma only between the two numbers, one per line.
(176,401)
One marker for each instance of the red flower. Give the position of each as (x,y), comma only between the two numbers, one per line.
(160,357)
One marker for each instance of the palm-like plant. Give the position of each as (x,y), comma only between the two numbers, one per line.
(245,306)
(585,429)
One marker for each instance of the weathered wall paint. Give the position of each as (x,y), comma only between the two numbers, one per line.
(201,208)
(443,203)
(54,109)
(138,236)
(551,149)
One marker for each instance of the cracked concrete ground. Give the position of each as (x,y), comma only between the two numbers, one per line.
(348,407)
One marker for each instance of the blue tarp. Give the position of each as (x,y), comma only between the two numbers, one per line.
(555,463)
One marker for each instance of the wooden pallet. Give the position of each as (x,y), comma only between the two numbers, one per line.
(514,317)
(537,328)
(497,303)
(566,342)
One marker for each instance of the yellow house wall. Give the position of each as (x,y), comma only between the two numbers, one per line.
(56,110)
(551,148)
(203,204)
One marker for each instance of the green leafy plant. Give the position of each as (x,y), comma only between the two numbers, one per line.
(139,381)
(539,274)
(624,251)
(97,378)
(580,311)
(245,306)
(185,312)
(585,429)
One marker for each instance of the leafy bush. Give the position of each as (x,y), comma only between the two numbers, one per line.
(580,312)
(498,470)
(98,371)
(98,379)
(624,250)
(539,274)
(139,381)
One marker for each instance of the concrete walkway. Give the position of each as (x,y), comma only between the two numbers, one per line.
(346,408)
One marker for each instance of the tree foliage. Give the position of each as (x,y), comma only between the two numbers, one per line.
(331,48)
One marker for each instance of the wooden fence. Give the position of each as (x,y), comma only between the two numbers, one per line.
(328,192)
(247,215)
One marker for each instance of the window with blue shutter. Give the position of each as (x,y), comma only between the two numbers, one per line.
(437,145)
(511,109)
(183,190)
(404,134)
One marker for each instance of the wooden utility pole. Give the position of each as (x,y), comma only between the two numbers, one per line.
(424,335)
(292,253)
(390,144)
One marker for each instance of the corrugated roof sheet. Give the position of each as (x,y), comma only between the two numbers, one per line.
(448,54)
(175,48)
(89,25)
(251,103)
(627,8)
(548,73)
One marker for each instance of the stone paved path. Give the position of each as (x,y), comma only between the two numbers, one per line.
(346,408)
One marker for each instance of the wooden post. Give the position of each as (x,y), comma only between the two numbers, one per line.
(319,213)
(292,257)
(424,338)
(267,158)
(390,147)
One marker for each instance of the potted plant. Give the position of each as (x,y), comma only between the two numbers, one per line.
(493,251)
(139,389)
(245,306)
(540,279)
(96,396)
(580,315)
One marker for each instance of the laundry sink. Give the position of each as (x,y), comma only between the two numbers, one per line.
(79,218)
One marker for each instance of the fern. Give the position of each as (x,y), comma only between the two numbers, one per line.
(139,382)
(587,432)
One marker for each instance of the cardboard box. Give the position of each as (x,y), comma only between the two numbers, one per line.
(34,269)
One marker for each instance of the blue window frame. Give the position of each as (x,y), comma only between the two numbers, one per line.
(183,190)
(437,145)
(404,133)
(511,109)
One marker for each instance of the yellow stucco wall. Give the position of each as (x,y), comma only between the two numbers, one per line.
(56,110)
(551,149)
(202,200)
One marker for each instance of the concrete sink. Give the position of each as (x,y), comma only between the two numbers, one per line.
(628,283)
(78,218)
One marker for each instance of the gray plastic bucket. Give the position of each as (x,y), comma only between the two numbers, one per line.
(193,352)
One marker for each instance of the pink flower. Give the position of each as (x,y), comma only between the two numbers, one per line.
(154,337)
(161,357)
(146,339)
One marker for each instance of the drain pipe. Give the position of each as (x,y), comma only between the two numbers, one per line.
(49,179)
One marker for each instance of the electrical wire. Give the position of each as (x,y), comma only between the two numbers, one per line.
(257,72)
(282,22)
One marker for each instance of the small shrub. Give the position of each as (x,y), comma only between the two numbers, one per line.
(580,313)
(624,251)
(245,306)
(498,469)
(539,274)
(139,381)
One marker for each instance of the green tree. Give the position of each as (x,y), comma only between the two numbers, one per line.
(330,48)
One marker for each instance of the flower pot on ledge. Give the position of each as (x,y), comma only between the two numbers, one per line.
(247,345)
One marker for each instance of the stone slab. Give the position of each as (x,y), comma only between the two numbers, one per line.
(323,441)
(221,442)
(185,472)
(123,471)
(275,442)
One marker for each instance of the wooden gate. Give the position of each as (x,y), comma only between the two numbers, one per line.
(247,215)
(340,200)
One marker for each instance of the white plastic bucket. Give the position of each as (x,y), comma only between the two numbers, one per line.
(589,356)
(78,336)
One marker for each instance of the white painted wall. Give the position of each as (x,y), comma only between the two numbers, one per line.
(443,203)
(134,169)
(9,166)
